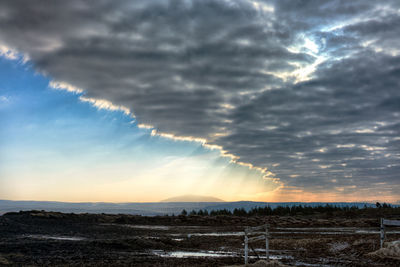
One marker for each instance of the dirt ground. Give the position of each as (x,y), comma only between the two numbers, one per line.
(50,238)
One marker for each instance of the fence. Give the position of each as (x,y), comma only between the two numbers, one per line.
(247,240)
(388,223)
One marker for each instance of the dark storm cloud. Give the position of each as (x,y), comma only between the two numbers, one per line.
(173,63)
(336,126)
(198,68)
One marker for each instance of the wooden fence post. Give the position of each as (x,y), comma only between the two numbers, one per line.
(266,243)
(246,248)
(382,232)
(389,223)
(249,231)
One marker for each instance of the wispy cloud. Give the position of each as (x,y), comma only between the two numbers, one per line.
(8,52)
(105,104)
(4,99)
(65,86)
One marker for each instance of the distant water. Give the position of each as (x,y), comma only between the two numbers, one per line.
(62,238)
(152,208)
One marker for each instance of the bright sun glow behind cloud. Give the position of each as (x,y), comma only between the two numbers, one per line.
(270,89)
(67,147)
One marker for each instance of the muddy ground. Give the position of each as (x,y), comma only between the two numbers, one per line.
(50,238)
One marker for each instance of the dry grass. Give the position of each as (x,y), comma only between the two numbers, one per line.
(390,250)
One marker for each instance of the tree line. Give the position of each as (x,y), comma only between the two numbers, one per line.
(298,210)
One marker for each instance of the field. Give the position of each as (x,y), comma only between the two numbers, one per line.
(52,238)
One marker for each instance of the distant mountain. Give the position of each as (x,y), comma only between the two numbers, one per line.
(192,198)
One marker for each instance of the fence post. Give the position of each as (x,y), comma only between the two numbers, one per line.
(246,248)
(382,232)
(266,243)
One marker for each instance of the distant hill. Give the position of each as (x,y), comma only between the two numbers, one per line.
(192,198)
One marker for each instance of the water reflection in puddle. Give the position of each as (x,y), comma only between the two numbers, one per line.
(156,227)
(138,226)
(64,238)
(299,263)
(178,239)
(217,234)
(190,254)
(210,253)
(342,229)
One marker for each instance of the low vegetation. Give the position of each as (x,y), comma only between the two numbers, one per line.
(380,210)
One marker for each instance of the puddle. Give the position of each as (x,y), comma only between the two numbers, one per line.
(271,232)
(178,239)
(341,229)
(279,251)
(191,254)
(155,227)
(299,263)
(216,254)
(376,232)
(212,234)
(64,238)
(272,257)
(219,234)
(150,227)
(313,233)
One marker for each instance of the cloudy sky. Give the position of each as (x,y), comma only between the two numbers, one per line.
(283,100)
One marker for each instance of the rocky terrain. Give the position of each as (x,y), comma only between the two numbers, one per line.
(52,238)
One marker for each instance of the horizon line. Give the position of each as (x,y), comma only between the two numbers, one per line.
(272,202)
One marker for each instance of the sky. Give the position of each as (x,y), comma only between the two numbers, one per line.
(123,101)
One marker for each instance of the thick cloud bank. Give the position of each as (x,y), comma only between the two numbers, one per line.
(308,89)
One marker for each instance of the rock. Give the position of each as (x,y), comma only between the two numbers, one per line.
(390,250)
(4,261)
(338,247)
